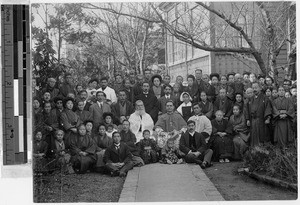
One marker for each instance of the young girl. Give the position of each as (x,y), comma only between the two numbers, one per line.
(109,120)
(148,148)
(89,128)
(171,154)
(240,132)
(40,148)
(274,93)
(239,101)
(185,109)
(110,130)
(221,139)
(83,150)
(268,92)
(63,158)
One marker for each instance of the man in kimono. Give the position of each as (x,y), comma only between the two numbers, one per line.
(97,109)
(283,113)
(223,103)
(50,87)
(117,157)
(67,86)
(140,121)
(122,108)
(259,116)
(171,120)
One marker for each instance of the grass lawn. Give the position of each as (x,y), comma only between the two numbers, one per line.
(89,187)
(235,186)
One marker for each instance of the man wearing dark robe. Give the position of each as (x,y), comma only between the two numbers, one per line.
(122,108)
(223,103)
(259,116)
(67,86)
(283,113)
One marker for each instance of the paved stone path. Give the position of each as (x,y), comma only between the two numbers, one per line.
(162,183)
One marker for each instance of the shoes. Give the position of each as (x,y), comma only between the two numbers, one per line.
(227,160)
(114,173)
(203,165)
(221,160)
(180,161)
(122,174)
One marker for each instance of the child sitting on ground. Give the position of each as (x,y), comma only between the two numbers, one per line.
(171,154)
(61,153)
(110,130)
(148,148)
(40,148)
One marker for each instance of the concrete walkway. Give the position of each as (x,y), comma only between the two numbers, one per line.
(165,183)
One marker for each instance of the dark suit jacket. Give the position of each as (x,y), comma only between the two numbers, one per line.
(87,106)
(162,103)
(184,144)
(97,113)
(150,103)
(115,109)
(227,107)
(113,156)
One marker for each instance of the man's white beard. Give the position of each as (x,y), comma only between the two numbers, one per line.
(140,112)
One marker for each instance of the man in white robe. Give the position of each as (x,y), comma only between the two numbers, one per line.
(140,121)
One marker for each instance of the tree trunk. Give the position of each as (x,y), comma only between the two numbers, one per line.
(260,62)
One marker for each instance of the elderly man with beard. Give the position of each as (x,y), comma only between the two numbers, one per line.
(171,120)
(259,116)
(140,121)
(149,100)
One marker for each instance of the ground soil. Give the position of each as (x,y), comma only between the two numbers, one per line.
(235,186)
(89,187)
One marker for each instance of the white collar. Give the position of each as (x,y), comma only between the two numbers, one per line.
(192,134)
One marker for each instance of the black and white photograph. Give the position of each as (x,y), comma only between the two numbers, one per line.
(142,101)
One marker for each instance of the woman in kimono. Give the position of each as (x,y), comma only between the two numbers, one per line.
(70,121)
(221,140)
(157,88)
(206,106)
(240,134)
(102,142)
(83,151)
(283,113)
(185,109)
(239,101)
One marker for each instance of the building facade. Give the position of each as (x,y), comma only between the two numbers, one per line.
(183,59)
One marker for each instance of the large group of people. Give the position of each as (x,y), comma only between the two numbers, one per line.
(111,126)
